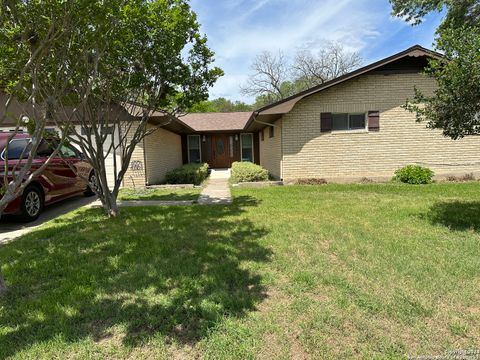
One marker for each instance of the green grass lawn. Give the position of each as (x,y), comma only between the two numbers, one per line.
(159,194)
(334,272)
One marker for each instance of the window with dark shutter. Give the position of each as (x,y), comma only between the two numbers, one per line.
(326,122)
(271,131)
(374,120)
(262,135)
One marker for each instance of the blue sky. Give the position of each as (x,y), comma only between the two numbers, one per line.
(240,29)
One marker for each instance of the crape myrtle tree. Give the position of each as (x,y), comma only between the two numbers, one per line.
(132,57)
(454,107)
(90,62)
(32,35)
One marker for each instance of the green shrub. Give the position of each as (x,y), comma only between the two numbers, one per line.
(414,174)
(247,171)
(188,174)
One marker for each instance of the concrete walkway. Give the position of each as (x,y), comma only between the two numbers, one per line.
(217,190)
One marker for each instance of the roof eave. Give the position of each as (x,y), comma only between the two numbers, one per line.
(416,51)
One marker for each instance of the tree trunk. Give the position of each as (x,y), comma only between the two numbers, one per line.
(3,286)
(110,205)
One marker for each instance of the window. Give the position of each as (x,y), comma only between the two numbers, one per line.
(348,121)
(194,152)
(247,147)
(17,149)
(68,152)
(271,131)
(262,135)
(45,149)
(108,130)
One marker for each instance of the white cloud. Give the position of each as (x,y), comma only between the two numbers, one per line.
(278,33)
(229,87)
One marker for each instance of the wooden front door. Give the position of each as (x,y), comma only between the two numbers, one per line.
(221,157)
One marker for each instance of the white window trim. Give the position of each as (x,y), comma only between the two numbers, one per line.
(352,131)
(231,146)
(199,147)
(241,147)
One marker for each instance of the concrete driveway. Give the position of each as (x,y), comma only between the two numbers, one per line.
(10,227)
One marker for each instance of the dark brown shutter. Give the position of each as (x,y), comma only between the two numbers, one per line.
(374,120)
(326,122)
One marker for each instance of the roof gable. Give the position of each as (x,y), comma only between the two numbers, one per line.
(286,105)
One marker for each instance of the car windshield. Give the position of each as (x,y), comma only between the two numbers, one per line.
(17,149)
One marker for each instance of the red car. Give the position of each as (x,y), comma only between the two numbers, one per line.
(56,182)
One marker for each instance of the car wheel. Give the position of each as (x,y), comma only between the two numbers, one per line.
(32,204)
(92,184)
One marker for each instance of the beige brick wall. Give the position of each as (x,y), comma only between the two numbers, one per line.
(163,153)
(271,150)
(135,175)
(345,156)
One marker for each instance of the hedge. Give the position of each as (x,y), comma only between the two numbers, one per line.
(247,171)
(188,174)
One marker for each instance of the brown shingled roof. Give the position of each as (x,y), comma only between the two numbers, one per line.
(231,121)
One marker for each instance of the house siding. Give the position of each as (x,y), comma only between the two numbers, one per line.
(349,156)
(271,150)
(163,153)
(135,175)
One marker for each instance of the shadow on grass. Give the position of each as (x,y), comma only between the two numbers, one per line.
(159,195)
(456,215)
(170,271)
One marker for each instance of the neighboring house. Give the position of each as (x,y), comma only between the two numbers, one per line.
(343,130)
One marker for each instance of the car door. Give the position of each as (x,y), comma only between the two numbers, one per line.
(80,167)
(59,172)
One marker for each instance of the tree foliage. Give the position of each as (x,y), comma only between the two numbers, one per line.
(459,12)
(220,105)
(455,105)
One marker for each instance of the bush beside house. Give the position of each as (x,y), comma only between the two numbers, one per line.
(414,174)
(248,172)
(188,174)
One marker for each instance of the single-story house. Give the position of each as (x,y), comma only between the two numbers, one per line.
(346,129)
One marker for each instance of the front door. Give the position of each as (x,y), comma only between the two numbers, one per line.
(220,151)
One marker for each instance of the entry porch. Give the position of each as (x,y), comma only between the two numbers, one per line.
(220,149)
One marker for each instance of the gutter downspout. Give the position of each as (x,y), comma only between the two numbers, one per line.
(261,122)
(255,114)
